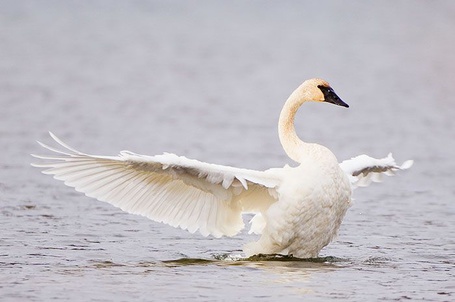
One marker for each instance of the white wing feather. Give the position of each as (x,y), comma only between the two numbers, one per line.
(167,188)
(362,170)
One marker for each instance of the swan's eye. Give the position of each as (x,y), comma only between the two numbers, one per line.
(327,91)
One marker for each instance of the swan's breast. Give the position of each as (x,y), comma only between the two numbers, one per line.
(313,199)
(316,182)
(318,175)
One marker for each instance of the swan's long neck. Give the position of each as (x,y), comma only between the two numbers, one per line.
(292,144)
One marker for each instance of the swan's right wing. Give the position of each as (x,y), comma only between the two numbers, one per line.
(362,170)
(166,188)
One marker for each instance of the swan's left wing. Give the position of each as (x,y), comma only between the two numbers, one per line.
(175,190)
(362,170)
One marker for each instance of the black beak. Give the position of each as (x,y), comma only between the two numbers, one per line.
(331,97)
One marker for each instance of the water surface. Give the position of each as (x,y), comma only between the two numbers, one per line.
(207,80)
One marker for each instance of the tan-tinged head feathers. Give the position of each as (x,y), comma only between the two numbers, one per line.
(312,90)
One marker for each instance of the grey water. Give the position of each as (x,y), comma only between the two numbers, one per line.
(207,79)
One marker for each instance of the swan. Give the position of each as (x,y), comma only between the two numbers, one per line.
(298,210)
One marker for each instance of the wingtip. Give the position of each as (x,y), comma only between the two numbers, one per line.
(43,145)
(53,136)
(407,164)
(64,145)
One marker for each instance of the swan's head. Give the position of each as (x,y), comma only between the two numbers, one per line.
(319,90)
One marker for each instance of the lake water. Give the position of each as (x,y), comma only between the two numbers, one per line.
(207,80)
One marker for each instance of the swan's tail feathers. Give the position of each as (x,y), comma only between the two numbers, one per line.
(362,170)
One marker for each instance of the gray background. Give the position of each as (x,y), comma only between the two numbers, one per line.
(207,79)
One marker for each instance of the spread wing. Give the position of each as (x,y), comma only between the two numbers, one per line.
(167,188)
(363,169)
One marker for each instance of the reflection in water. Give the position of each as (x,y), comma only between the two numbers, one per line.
(301,277)
(291,272)
(275,269)
(258,261)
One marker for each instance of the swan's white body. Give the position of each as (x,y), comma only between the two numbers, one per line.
(298,209)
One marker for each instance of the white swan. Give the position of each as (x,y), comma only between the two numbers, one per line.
(299,209)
